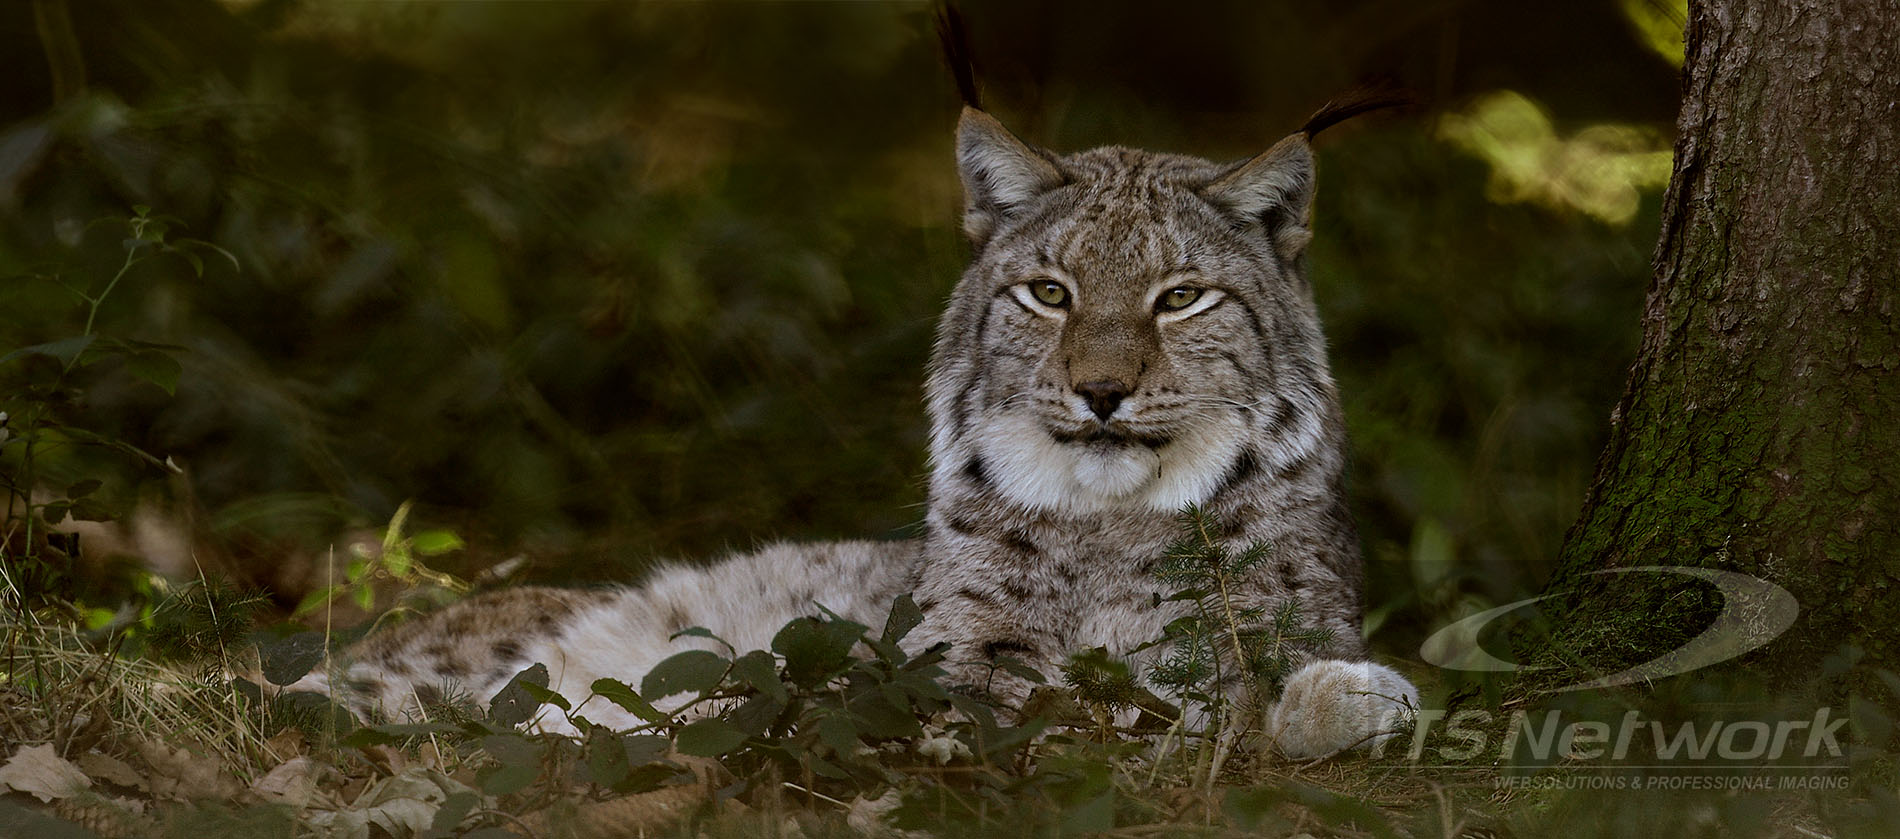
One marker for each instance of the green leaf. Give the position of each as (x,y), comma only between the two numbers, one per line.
(983,715)
(183,243)
(1096,815)
(645,748)
(840,733)
(454,809)
(606,759)
(510,779)
(619,694)
(921,685)
(904,617)
(878,717)
(512,704)
(435,542)
(91,438)
(997,742)
(315,599)
(693,671)
(1016,667)
(759,670)
(926,661)
(757,714)
(644,778)
(702,632)
(815,650)
(514,749)
(365,597)
(397,562)
(197,262)
(888,653)
(546,696)
(65,349)
(81,489)
(89,509)
(824,768)
(709,738)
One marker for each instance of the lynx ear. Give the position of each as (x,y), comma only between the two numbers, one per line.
(1000,173)
(1274,190)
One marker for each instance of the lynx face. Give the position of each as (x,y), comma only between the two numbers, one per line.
(1134,330)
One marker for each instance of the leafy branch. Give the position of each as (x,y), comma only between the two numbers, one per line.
(398,559)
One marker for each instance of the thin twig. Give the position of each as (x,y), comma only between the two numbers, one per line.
(816,794)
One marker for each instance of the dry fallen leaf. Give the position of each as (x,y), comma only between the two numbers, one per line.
(430,757)
(627,817)
(293,782)
(40,772)
(177,773)
(389,759)
(400,806)
(286,744)
(111,770)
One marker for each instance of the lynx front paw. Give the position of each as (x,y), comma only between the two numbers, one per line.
(1330,706)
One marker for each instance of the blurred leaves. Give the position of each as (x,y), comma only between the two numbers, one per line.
(1659,24)
(1601,170)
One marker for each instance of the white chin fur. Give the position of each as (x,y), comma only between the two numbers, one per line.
(1032,469)
(1116,471)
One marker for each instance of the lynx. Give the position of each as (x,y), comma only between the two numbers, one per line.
(1134,334)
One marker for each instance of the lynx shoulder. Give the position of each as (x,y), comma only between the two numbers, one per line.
(1135,333)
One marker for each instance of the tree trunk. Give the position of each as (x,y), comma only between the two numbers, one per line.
(1758,432)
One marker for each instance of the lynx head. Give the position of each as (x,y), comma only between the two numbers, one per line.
(1134,331)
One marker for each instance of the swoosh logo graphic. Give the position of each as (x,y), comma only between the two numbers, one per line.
(1754,612)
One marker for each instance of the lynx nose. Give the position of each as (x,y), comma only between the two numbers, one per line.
(1104,396)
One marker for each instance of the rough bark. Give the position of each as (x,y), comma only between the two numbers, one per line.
(1758,432)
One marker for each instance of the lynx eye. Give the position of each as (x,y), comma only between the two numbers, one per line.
(1050,292)
(1176,299)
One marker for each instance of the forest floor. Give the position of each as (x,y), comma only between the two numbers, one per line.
(106,744)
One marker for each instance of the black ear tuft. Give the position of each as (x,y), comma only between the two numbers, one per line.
(1365,98)
(956,53)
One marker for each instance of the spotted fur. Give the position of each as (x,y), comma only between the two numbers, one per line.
(1074,409)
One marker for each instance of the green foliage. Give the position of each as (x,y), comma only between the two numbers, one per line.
(867,722)
(203,620)
(46,425)
(1102,679)
(810,708)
